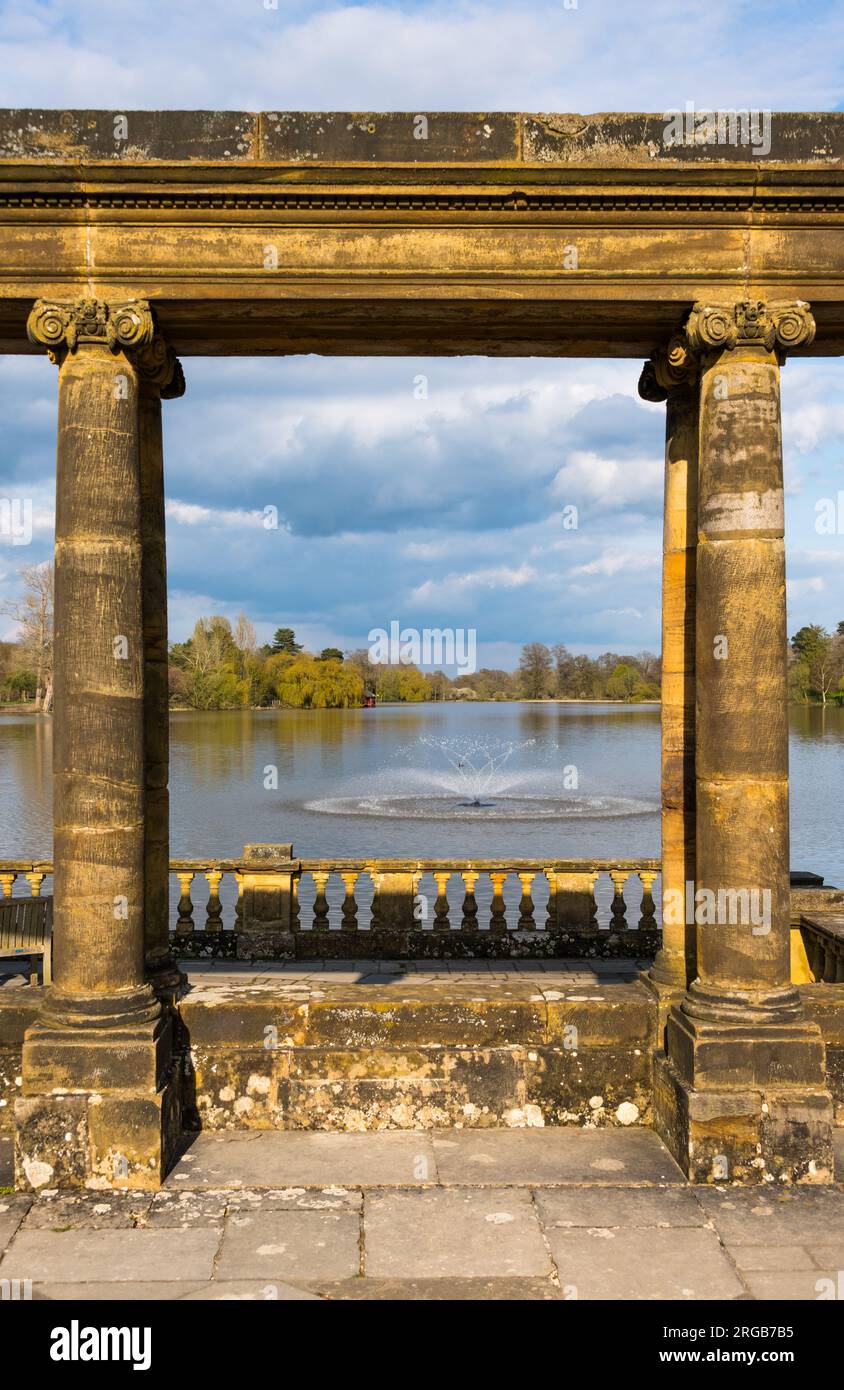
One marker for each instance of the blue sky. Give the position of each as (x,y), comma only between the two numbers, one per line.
(445,510)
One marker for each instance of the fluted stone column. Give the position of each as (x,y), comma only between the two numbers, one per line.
(742,1093)
(98,1105)
(160,377)
(671,376)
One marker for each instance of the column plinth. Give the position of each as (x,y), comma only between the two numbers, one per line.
(742,1091)
(99,1103)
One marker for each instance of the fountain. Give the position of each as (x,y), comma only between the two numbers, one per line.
(476,780)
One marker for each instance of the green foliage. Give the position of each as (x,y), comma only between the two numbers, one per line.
(284,640)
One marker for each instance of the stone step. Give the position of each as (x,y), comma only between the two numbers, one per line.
(557,1157)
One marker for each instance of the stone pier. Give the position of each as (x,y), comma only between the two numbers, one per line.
(742,1092)
(99,1105)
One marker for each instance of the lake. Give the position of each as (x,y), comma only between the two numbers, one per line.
(566,780)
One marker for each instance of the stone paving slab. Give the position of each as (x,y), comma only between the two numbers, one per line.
(65,1211)
(639,1208)
(536,1157)
(295,1158)
(441,1234)
(47,1256)
(797,1285)
(168,1292)
(678,1264)
(765,1216)
(438,1290)
(309,1245)
(13,1209)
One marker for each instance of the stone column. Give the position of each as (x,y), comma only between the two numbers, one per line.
(671,376)
(742,1094)
(98,1103)
(160,377)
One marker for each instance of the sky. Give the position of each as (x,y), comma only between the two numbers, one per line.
(428,491)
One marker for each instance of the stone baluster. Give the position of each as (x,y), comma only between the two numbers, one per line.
(498,909)
(320,877)
(441,920)
(350,907)
(214,909)
(184,921)
(647,918)
(469,922)
(35,878)
(619,906)
(7,883)
(526,908)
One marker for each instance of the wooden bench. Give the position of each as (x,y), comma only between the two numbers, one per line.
(26,930)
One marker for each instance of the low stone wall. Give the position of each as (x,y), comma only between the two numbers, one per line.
(390,1056)
(347,1057)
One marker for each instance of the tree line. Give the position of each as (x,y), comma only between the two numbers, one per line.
(221,666)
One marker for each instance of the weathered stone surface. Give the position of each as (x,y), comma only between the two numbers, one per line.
(791,1285)
(591,1086)
(619,1207)
(396,136)
(130,135)
(305,1160)
(772,1217)
(300,1245)
(622,138)
(464,1235)
(607,1264)
(13,1209)
(110,1256)
(554,1156)
(87,1211)
(449,1290)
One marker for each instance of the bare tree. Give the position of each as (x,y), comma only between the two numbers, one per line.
(33,613)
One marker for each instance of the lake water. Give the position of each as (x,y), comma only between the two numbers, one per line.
(570,781)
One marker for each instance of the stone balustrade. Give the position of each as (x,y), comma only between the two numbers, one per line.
(269,905)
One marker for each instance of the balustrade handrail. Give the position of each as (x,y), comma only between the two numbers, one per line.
(363,862)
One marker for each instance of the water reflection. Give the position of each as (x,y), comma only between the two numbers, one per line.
(220,802)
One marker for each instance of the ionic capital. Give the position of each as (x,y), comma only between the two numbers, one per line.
(776,326)
(668,368)
(158,366)
(126,326)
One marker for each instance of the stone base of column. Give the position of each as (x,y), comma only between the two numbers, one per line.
(100,1108)
(666,995)
(741,1103)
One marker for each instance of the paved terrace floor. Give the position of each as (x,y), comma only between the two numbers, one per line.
(495,1214)
(524,1214)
